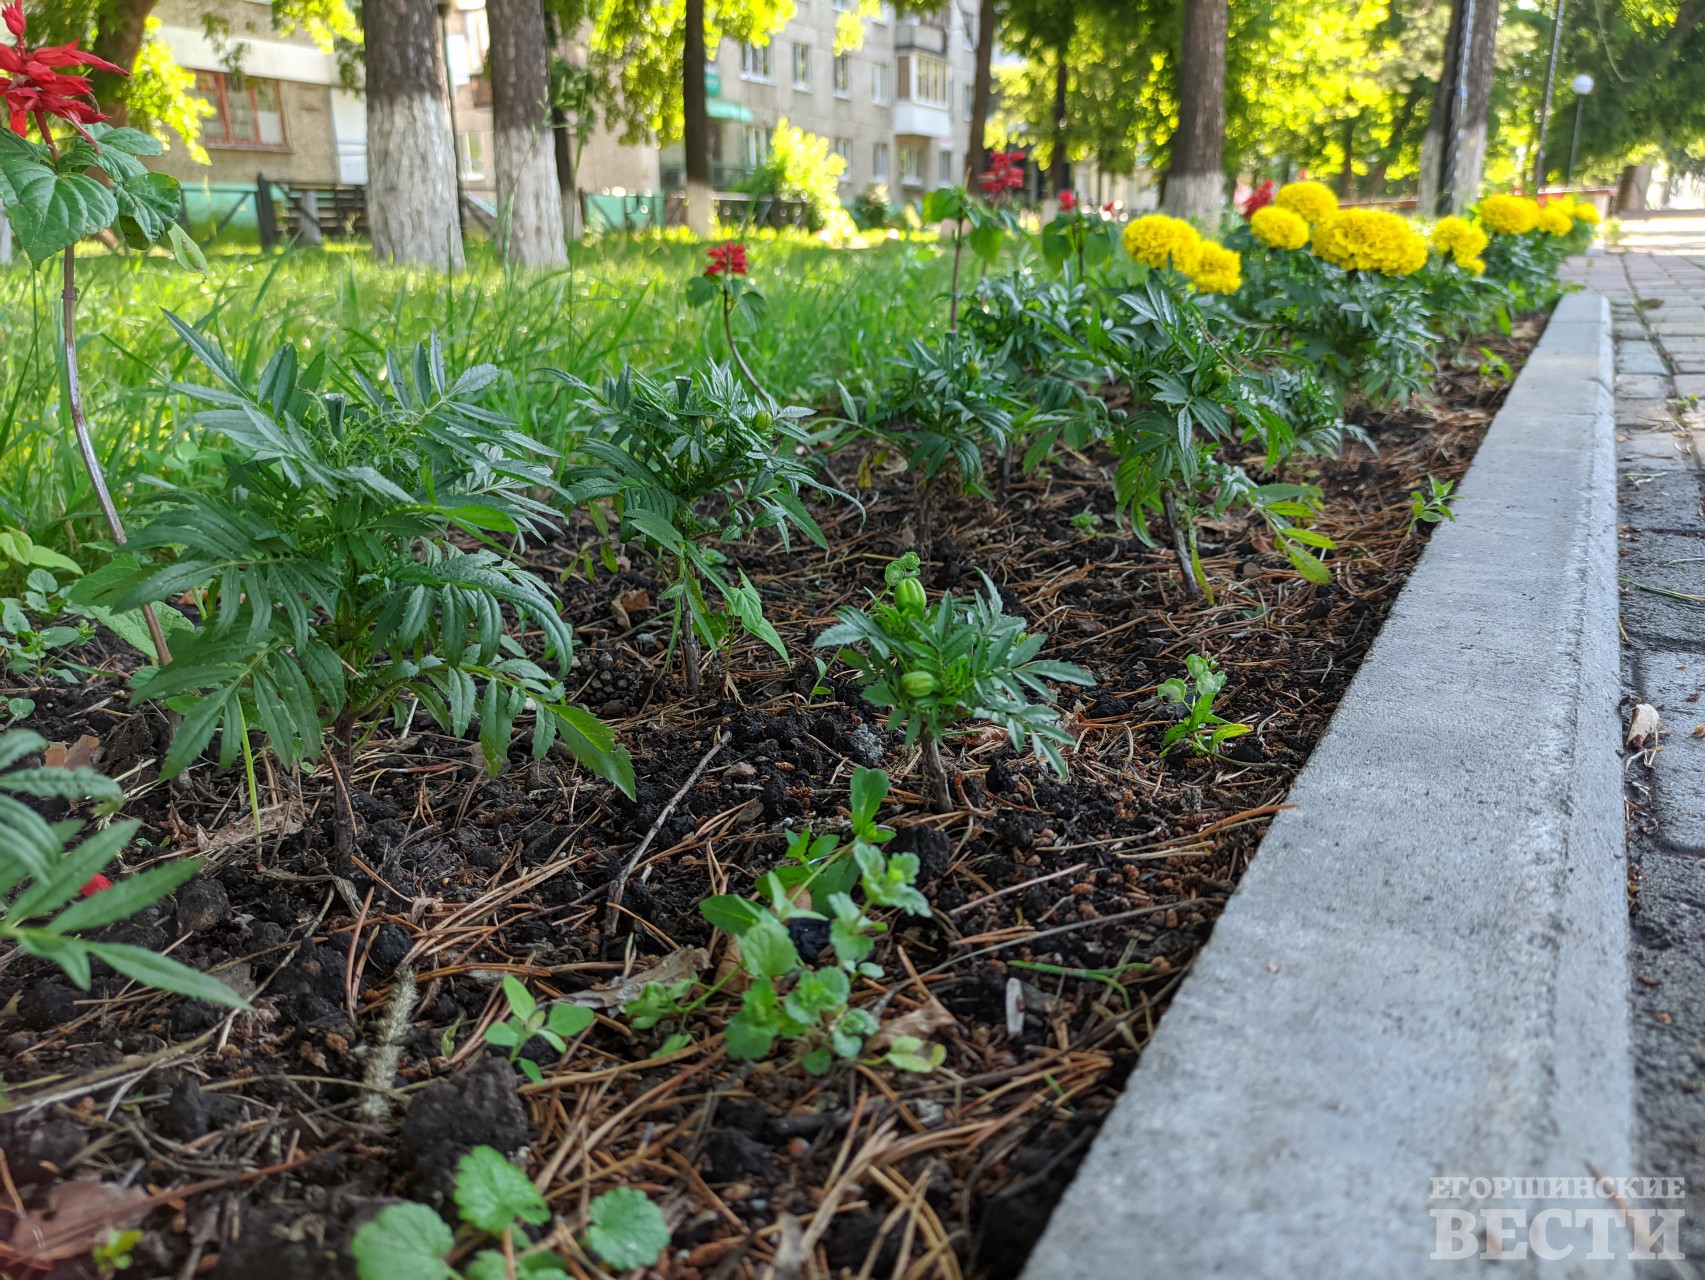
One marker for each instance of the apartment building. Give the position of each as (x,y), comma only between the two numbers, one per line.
(897,109)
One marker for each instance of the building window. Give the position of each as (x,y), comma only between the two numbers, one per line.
(970,100)
(912,163)
(471,150)
(967,31)
(754,145)
(843,148)
(928,80)
(845,6)
(879,83)
(879,162)
(883,13)
(802,67)
(842,80)
(246,112)
(757,62)
(946,168)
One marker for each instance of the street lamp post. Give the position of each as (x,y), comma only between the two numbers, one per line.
(1582,85)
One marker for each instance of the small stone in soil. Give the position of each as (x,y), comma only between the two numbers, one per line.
(47,1005)
(202,904)
(184,1116)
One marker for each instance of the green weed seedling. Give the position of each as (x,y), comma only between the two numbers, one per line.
(1430,508)
(789,1001)
(1201,730)
(411,1242)
(51,895)
(556,1026)
(935,668)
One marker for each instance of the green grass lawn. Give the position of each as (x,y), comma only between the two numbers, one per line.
(832,314)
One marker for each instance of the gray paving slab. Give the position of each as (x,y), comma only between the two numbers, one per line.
(1659,497)
(1662,562)
(1673,681)
(1424,972)
(1642,385)
(1639,357)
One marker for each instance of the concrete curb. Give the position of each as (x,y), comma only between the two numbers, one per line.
(1424,974)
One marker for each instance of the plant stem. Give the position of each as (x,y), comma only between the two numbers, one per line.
(734,347)
(689,639)
(935,775)
(1182,546)
(86,445)
(343,817)
(953,295)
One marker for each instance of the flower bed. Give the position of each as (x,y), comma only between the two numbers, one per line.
(864,876)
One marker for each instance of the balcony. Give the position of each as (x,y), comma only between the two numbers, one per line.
(922,120)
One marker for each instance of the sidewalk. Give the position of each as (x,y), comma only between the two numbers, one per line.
(1655,280)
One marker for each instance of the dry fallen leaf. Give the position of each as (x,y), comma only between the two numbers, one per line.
(618,994)
(1643,731)
(282,819)
(83,753)
(921,1024)
(78,1217)
(630,602)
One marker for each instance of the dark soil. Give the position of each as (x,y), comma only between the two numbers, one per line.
(250,1131)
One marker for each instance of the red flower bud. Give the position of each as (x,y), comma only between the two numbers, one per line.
(1068,202)
(14,16)
(730,258)
(97,882)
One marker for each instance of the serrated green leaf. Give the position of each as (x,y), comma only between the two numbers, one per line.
(493,1194)
(627,1229)
(405,1242)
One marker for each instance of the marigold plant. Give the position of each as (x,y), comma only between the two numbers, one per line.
(1508,215)
(1279,228)
(1554,220)
(1156,240)
(1311,201)
(1585,211)
(1463,241)
(1216,269)
(1370,240)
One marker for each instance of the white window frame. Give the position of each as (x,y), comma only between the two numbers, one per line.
(754,145)
(944,167)
(970,100)
(879,162)
(914,159)
(758,63)
(840,76)
(928,73)
(802,83)
(879,83)
(843,147)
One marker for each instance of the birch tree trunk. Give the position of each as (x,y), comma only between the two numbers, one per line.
(695,124)
(529,203)
(1453,152)
(411,157)
(1195,179)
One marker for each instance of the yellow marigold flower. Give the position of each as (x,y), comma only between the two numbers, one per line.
(1159,241)
(1474,266)
(1509,215)
(1308,200)
(1279,228)
(1554,220)
(1458,237)
(1585,211)
(1216,269)
(1370,240)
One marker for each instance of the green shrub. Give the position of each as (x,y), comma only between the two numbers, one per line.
(802,166)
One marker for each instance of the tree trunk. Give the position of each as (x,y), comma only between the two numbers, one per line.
(529,202)
(1195,178)
(695,125)
(563,139)
(1057,170)
(1453,153)
(1347,174)
(5,241)
(411,157)
(1631,188)
(976,154)
(123,26)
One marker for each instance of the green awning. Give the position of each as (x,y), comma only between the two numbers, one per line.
(722,109)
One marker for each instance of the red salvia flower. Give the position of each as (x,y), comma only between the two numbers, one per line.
(1259,198)
(1068,202)
(1006,172)
(31,86)
(730,258)
(97,882)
